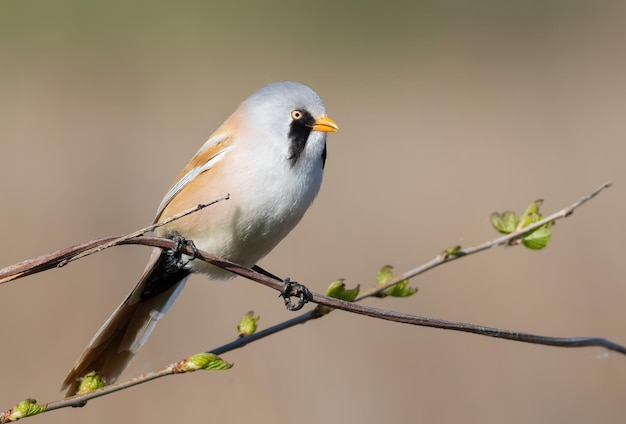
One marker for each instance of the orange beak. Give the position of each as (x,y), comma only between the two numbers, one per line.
(325,124)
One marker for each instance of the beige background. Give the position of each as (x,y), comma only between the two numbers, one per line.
(448,111)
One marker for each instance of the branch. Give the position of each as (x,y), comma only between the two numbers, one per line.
(65,256)
(143,231)
(506,240)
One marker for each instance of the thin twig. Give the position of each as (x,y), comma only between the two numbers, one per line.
(443,257)
(64,256)
(145,230)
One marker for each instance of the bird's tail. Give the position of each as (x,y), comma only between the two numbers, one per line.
(127,329)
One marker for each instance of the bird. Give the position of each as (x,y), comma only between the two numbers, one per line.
(268,157)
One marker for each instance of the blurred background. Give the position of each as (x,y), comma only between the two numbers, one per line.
(448,110)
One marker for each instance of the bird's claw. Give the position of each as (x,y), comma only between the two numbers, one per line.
(293,289)
(178,250)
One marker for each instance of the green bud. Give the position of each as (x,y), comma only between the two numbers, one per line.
(26,408)
(203,361)
(453,251)
(247,326)
(90,382)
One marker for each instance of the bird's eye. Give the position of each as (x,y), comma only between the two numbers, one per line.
(296,115)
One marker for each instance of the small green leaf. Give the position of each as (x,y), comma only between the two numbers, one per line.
(90,382)
(26,408)
(531,215)
(505,223)
(402,289)
(453,251)
(538,239)
(338,290)
(203,361)
(508,222)
(385,275)
(248,325)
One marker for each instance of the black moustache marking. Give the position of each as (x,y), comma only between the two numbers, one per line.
(299,131)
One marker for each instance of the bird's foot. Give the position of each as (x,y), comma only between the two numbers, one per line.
(179,249)
(297,290)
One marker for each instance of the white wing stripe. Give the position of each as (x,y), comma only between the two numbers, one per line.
(151,321)
(186,179)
